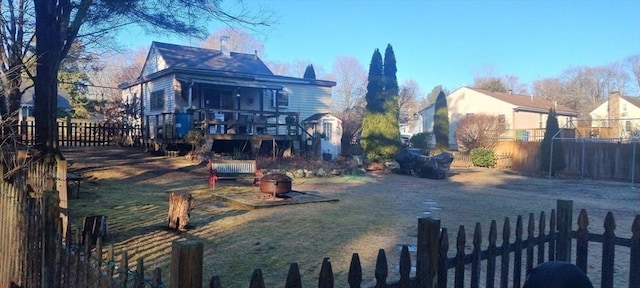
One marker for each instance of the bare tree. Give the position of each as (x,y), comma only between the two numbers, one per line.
(348,96)
(479,131)
(295,68)
(351,81)
(409,102)
(17,41)
(632,63)
(239,41)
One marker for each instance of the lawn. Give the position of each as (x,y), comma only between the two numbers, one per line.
(379,210)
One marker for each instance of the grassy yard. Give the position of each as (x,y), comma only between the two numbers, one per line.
(373,212)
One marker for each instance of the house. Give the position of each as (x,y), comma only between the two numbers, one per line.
(233,98)
(525,115)
(27,102)
(617,117)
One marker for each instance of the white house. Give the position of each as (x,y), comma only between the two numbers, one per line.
(524,115)
(233,97)
(619,114)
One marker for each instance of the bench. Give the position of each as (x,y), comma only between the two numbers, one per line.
(232,169)
(75,179)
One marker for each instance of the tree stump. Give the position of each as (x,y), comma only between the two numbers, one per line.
(180,206)
(94,227)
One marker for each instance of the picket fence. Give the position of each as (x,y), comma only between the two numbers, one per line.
(74,133)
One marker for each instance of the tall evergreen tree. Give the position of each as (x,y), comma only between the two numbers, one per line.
(380,128)
(557,159)
(375,84)
(441,122)
(389,72)
(309,72)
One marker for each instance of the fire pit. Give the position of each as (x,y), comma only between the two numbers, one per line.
(276,184)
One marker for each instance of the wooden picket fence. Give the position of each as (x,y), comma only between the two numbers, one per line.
(74,133)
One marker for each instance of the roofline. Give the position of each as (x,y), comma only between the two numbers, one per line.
(545,111)
(243,76)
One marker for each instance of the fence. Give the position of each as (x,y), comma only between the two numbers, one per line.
(583,158)
(72,133)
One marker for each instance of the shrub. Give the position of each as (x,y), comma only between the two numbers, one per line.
(483,157)
(479,130)
(421,141)
(195,138)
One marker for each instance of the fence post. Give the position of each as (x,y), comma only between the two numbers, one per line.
(427,254)
(50,222)
(564,220)
(186,264)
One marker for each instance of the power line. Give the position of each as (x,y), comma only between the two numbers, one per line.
(88,85)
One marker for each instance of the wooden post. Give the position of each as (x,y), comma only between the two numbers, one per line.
(180,205)
(61,186)
(95,227)
(634,266)
(427,254)
(564,220)
(186,264)
(51,215)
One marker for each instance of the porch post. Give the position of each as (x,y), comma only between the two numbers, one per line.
(189,105)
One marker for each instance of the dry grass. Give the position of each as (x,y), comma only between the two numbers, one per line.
(373,212)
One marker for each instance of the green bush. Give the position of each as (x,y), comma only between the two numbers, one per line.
(421,141)
(195,138)
(483,157)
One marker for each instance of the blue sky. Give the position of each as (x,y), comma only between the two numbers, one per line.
(448,42)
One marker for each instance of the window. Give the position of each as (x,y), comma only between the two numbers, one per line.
(627,126)
(280,99)
(327,130)
(501,119)
(157,100)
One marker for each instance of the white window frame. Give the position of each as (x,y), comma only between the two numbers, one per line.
(280,99)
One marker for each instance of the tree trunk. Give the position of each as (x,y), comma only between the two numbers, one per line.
(48,48)
(180,206)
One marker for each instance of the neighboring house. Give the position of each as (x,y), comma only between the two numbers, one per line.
(233,97)
(525,115)
(617,117)
(26,106)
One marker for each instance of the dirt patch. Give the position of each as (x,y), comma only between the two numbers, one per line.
(376,211)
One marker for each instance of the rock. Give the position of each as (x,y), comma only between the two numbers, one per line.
(335,172)
(299,173)
(308,173)
(321,172)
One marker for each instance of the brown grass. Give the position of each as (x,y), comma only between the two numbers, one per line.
(376,211)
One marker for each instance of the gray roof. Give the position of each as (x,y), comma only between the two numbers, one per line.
(526,102)
(178,56)
(63,102)
(633,100)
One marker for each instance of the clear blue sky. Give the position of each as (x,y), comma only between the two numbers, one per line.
(448,42)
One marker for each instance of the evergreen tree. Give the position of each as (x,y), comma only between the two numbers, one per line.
(557,159)
(309,72)
(380,128)
(441,122)
(389,72)
(375,84)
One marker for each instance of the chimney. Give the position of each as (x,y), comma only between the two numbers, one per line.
(614,109)
(255,54)
(224,46)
